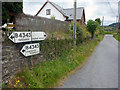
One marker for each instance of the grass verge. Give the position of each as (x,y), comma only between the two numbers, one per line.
(48,74)
(117,36)
(109,32)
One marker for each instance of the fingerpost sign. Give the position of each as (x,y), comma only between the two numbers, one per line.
(30,49)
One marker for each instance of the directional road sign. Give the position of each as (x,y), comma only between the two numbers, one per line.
(18,37)
(38,36)
(30,49)
(10,25)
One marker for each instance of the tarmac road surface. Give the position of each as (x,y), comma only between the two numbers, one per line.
(101,70)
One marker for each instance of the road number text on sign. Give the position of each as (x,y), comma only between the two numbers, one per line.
(18,37)
(30,49)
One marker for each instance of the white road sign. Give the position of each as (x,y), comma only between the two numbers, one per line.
(30,49)
(18,37)
(37,36)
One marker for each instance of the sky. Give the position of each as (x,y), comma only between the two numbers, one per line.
(93,8)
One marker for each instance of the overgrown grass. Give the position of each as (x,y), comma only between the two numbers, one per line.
(109,32)
(114,33)
(48,74)
(116,36)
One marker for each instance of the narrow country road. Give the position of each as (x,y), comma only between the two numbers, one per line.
(101,70)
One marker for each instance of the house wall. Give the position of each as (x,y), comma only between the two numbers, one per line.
(82,20)
(54,12)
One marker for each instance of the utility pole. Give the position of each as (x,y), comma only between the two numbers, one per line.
(74,24)
(117,24)
(102,23)
(118,15)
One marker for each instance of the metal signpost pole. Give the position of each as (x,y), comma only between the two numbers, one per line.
(31,43)
(74,31)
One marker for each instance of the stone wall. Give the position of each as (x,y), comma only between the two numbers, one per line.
(35,23)
(13,61)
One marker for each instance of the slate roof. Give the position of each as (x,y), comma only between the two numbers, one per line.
(69,12)
(59,8)
(66,12)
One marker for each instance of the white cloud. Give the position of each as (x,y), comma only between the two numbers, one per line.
(93,8)
(31,8)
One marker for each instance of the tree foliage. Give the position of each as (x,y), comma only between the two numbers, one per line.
(10,7)
(101,31)
(79,33)
(91,27)
(98,21)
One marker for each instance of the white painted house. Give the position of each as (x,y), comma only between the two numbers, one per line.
(50,9)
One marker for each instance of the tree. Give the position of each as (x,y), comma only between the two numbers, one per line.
(101,31)
(98,21)
(9,8)
(91,27)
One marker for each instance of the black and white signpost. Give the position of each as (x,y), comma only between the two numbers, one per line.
(19,37)
(28,49)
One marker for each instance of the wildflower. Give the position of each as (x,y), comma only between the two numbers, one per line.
(18,81)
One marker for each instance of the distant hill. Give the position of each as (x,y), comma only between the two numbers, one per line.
(113,25)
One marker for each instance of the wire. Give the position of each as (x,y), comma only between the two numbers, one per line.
(111,8)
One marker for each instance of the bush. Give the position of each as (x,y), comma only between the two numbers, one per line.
(101,31)
(91,27)
(53,17)
(79,33)
(114,34)
(71,28)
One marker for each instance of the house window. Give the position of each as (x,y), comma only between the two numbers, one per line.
(48,11)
